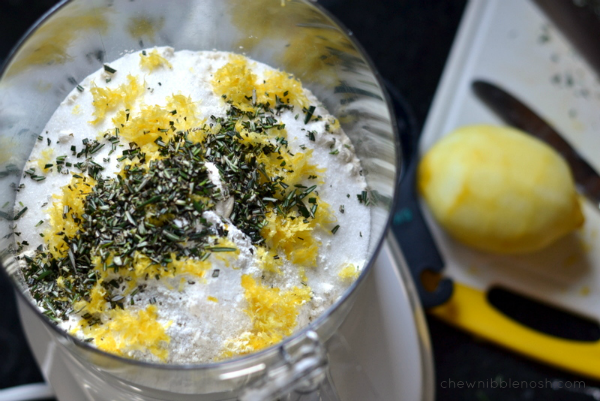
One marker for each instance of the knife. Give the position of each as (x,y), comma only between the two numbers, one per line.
(579,22)
(515,113)
(409,227)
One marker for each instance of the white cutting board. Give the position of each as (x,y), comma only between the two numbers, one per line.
(510,42)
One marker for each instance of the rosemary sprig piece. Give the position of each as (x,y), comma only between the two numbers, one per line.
(156,208)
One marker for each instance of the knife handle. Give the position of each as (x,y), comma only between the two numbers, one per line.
(418,246)
(470,310)
(408,226)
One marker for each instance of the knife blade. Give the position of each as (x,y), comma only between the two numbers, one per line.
(579,22)
(517,114)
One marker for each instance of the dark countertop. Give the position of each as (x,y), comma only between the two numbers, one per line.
(408,41)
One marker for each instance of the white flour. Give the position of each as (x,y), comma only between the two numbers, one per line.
(204,316)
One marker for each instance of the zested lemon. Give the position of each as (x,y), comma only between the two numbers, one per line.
(498,189)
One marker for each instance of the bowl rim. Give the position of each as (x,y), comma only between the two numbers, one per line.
(297,336)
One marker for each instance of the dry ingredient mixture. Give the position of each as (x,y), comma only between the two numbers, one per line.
(187,207)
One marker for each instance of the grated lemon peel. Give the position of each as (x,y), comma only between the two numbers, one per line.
(287,236)
(153,60)
(273,314)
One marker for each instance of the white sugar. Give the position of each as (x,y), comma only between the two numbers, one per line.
(203,313)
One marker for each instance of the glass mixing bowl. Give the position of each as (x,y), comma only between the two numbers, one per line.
(76,37)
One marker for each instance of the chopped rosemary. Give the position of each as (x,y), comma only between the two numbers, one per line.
(155,207)
(109,69)
(221,249)
(363,198)
(309,113)
(20,213)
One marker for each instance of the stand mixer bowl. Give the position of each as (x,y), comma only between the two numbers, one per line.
(76,37)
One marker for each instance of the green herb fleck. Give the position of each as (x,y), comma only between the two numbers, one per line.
(109,69)
(309,114)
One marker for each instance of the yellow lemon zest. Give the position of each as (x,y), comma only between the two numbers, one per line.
(152,122)
(273,313)
(153,60)
(45,158)
(269,260)
(236,81)
(294,236)
(349,272)
(72,198)
(106,99)
(129,330)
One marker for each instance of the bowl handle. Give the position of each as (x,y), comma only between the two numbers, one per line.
(303,375)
